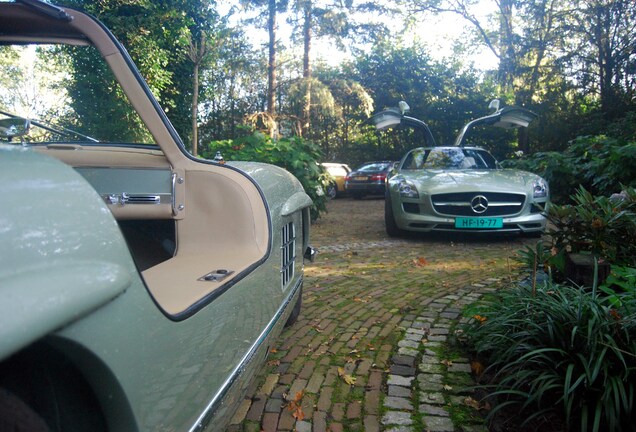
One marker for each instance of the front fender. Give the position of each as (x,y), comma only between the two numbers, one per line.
(283,192)
(62,253)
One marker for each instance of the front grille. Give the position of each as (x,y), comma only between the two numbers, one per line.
(495,203)
(288,253)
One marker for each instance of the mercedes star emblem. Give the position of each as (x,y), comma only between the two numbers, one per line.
(479,204)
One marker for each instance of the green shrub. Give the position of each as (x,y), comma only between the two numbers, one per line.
(600,164)
(603,226)
(559,348)
(296,155)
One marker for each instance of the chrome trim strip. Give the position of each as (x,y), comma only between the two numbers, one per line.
(217,399)
(173,189)
(467,204)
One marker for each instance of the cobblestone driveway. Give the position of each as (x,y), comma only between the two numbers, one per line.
(368,352)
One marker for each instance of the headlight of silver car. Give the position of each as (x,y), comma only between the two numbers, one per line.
(539,188)
(408,189)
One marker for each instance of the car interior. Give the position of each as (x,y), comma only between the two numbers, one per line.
(193,227)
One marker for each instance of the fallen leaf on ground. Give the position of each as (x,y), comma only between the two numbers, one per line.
(346,377)
(420,262)
(295,406)
(477,368)
(472,403)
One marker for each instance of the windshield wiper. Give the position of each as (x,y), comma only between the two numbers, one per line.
(62,131)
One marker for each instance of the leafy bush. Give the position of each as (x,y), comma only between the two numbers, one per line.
(562,348)
(598,163)
(603,226)
(296,155)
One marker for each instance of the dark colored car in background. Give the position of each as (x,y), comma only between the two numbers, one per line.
(368,179)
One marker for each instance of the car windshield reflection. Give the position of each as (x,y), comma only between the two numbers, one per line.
(453,158)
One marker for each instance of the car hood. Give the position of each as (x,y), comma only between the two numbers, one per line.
(440,181)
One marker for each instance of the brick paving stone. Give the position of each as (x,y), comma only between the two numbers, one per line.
(297,387)
(439,424)
(372,401)
(431,368)
(399,429)
(460,367)
(292,354)
(319,421)
(307,370)
(280,391)
(256,410)
(273,405)
(241,412)
(399,391)
(354,410)
(433,410)
(303,426)
(437,330)
(332,375)
(324,400)
(429,357)
(282,368)
(397,418)
(286,421)
(336,427)
(403,360)
(364,367)
(371,423)
(269,384)
(313,386)
(432,398)
(270,422)
(337,411)
(402,370)
(287,379)
(408,352)
(399,403)
(375,379)
(308,405)
(405,343)
(399,380)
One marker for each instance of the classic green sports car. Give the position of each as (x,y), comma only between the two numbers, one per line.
(141,287)
(462,188)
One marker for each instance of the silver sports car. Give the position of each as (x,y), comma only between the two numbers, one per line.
(460,188)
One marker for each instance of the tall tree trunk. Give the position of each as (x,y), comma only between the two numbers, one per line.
(605,60)
(271,64)
(307,12)
(507,61)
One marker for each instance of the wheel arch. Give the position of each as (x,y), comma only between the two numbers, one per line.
(55,371)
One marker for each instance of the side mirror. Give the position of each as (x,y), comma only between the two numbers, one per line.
(494,105)
(13,127)
(404,107)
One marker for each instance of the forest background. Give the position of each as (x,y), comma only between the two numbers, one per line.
(573,62)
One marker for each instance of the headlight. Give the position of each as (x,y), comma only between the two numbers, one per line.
(408,189)
(540,189)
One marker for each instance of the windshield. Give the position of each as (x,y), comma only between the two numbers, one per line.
(67,94)
(375,167)
(453,158)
